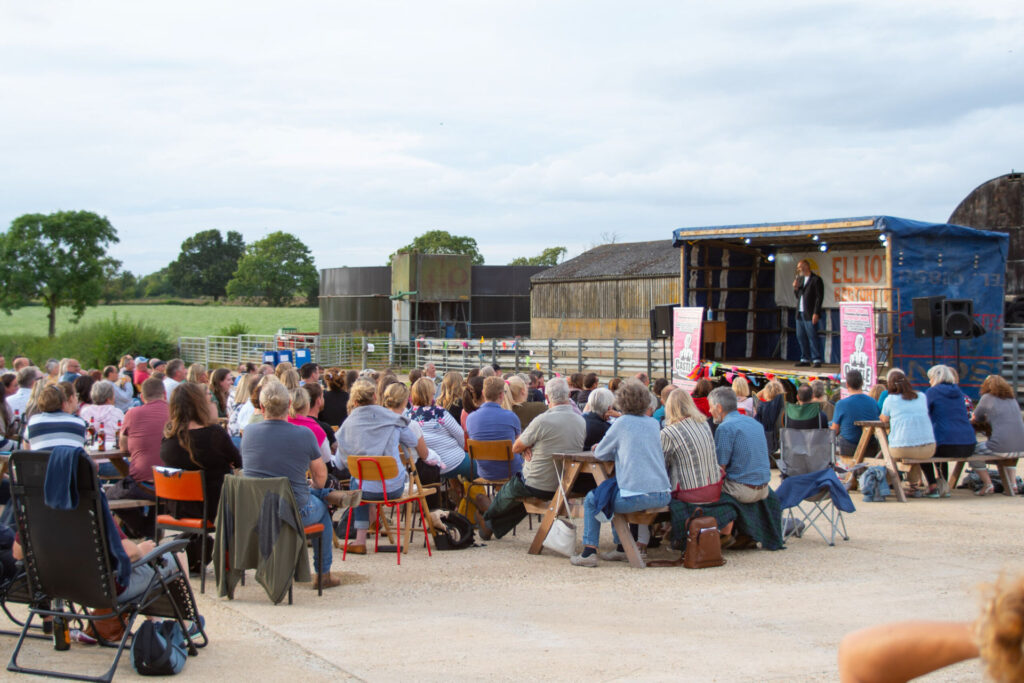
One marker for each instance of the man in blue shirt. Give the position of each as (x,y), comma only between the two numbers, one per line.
(741,448)
(491,422)
(856,407)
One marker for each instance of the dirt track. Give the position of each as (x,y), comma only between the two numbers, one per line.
(497,613)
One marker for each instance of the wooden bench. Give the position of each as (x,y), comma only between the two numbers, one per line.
(129,503)
(621,522)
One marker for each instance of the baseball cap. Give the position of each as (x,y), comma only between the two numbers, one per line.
(141,359)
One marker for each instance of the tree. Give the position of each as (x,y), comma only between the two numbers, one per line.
(442,242)
(206,263)
(274,269)
(120,285)
(60,258)
(156,284)
(549,257)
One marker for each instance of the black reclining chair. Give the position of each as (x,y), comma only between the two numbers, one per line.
(67,560)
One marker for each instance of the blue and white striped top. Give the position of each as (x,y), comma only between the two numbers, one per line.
(49,430)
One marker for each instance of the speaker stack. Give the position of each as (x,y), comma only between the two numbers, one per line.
(928,316)
(957,318)
(661,321)
(937,316)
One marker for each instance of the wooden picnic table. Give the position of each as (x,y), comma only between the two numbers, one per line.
(117,458)
(573,464)
(879,430)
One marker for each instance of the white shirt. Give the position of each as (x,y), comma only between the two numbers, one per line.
(17,401)
(169,386)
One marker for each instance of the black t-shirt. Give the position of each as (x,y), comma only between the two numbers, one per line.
(596,427)
(335,408)
(215,453)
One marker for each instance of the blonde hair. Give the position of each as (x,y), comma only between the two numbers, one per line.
(397,395)
(451,389)
(243,389)
(282,367)
(274,399)
(680,406)
(771,390)
(290,379)
(422,392)
(300,401)
(741,387)
(514,388)
(361,393)
(1000,629)
(195,372)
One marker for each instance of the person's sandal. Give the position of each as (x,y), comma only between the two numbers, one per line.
(984,491)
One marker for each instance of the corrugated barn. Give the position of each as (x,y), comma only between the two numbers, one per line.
(355,300)
(605,293)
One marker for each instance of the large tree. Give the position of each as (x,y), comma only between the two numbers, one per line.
(549,257)
(274,269)
(206,263)
(443,242)
(60,259)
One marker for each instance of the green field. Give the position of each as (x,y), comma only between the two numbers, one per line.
(178,321)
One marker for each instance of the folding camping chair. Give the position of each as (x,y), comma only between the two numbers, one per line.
(806,458)
(67,559)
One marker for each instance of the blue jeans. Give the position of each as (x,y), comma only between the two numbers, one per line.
(592,527)
(807,336)
(315,512)
(463,469)
(361,515)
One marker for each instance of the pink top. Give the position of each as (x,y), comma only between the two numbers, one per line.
(306,421)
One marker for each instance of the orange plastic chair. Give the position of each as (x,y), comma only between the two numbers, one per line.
(183,486)
(381,468)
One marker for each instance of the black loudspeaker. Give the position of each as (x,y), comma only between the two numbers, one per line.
(928,316)
(958,318)
(661,321)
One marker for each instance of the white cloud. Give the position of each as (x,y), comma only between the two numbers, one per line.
(522,124)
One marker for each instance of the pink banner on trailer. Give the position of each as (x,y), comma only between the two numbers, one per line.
(687,323)
(857,342)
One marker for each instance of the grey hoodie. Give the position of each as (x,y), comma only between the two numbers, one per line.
(375,430)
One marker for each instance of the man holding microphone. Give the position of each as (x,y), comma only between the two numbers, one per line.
(810,294)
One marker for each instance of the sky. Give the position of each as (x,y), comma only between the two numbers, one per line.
(525,125)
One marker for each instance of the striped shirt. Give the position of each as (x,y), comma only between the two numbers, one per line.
(49,430)
(690,456)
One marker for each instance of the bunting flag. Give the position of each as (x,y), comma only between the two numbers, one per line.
(713,369)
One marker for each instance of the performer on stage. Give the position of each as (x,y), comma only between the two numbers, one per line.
(810,294)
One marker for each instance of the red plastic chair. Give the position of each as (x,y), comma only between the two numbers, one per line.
(183,486)
(381,468)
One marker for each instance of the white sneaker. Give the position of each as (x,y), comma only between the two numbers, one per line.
(580,561)
(614,556)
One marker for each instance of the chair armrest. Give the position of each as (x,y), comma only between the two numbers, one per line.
(170,546)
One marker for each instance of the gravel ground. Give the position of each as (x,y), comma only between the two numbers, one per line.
(497,613)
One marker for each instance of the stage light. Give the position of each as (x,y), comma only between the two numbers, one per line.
(746,240)
(882,238)
(814,237)
(823,247)
(771,258)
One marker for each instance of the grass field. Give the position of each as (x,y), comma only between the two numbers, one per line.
(179,321)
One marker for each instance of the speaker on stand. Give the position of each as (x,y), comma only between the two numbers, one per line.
(928,318)
(661,328)
(958,323)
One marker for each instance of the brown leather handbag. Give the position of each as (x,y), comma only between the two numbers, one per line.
(703,542)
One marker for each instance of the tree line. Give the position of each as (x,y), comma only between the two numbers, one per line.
(60,260)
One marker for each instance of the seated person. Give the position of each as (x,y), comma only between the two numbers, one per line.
(633,442)
(372,429)
(491,422)
(275,448)
(557,430)
(102,414)
(998,409)
(441,432)
(689,445)
(821,398)
(700,396)
(600,408)
(857,407)
(746,404)
(743,451)
(515,400)
(662,392)
(55,423)
(805,397)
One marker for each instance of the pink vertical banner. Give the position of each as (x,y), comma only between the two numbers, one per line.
(857,342)
(686,331)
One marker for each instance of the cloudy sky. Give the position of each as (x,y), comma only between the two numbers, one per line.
(357,126)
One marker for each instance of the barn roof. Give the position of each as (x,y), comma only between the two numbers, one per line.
(617,261)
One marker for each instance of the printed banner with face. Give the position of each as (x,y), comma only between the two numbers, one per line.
(857,342)
(687,322)
(847,276)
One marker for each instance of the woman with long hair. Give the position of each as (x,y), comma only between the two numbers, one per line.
(298,414)
(191,442)
(700,396)
(238,399)
(441,432)
(905,412)
(197,374)
(688,445)
(335,408)
(450,397)
(514,399)
(998,409)
(472,397)
(220,388)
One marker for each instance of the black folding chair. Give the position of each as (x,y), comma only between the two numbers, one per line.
(67,559)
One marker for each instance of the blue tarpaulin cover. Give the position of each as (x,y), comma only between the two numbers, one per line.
(928,259)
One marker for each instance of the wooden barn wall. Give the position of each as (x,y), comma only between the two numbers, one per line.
(601,309)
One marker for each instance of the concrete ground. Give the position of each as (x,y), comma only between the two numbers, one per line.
(497,613)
